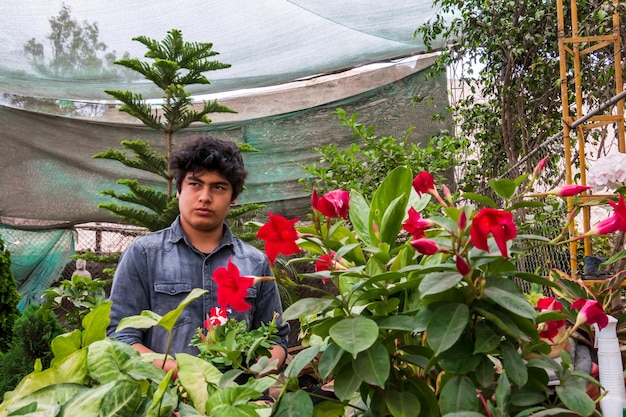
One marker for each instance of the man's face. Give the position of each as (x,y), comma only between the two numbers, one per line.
(204,200)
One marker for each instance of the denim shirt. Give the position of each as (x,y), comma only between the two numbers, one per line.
(157,271)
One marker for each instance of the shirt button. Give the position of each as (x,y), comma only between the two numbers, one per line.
(172,291)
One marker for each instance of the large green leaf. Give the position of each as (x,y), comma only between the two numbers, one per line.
(446,326)
(48,398)
(486,339)
(393,195)
(117,398)
(71,370)
(110,360)
(169,320)
(301,360)
(373,366)
(95,324)
(329,359)
(458,394)
(514,364)
(306,307)
(347,382)
(354,335)
(576,399)
(359,213)
(402,403)
(295,404)
(504,187)
(439,282)
(508,295)
(195,375)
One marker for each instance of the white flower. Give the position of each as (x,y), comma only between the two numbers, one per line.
(608,171)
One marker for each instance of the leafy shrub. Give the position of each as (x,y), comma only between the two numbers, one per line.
(9,298)
(32,333)
(362,166)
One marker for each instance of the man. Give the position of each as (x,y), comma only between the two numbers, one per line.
(157,271)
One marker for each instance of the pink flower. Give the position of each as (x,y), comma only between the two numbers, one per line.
(568,190)
(415,224)
(539,167)
(617,222)
(333,204)
(461,265)
(498,223)
(425,246)
(549,330)
(423,183)
(232,288)
(591,312)
(280,237)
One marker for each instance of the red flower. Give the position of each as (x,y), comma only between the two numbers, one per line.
(325,262)
(461,265)
(591,312)
(415,224)
(425,246)
(423,183)
(217,317)
(333,204)
(568,190)
(549,330)
(280,236)
(497,222)
(232,288)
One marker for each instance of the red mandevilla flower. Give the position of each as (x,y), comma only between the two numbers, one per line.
(617,222)
(333,204)
(423,183)
(569,190)
(591,312)
(539,167)
(425,246)
(461,265)
(497,222)
(549,330)
(415,224)
(232,288)
(280,237)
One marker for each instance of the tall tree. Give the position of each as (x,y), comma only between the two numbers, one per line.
(9,298)
(515,44)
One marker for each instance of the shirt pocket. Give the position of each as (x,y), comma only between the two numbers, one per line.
(168,296)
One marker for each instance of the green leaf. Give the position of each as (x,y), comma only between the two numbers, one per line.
(486,339)
(117,398)
(514,364)
(306,307)
(485,201)
(439,282)
(301,360)
(393,194)
(295,404)
(404,323)
(505,188)
(373,366)
(329,359)
(196,375)
(354,335)
(508,295)
(503,391)
(346,382)
(95,324)
(169,320)
(446,326)
(359,213)
(402,403)
(576,399)
(111,360)
(458,394)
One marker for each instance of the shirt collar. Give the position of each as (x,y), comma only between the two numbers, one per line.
(177,234)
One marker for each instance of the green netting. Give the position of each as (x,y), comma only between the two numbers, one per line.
(37,259)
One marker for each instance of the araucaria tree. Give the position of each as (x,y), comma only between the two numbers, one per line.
(173,65)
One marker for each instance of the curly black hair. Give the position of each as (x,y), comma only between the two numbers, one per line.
(208,153)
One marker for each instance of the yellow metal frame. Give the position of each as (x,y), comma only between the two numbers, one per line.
(571,47)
